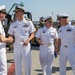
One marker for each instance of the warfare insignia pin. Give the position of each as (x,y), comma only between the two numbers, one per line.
(44,32)
(25,25)
(68,30)
(15,27)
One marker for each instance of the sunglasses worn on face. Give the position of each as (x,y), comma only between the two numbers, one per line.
(19,11)
(2,12)
(62,18)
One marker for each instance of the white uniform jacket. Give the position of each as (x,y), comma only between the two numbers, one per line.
(47,35)
(21,28)
(2,32)
(67,34)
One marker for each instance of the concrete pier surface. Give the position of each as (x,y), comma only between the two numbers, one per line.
(36,68)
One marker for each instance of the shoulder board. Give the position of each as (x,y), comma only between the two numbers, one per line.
(13,21)
(28,19)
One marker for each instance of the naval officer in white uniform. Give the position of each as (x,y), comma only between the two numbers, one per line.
(3,40)
(66,43)
(23,31)
(47,38)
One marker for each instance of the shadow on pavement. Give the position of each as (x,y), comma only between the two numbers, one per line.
(35,48)
(54,69)
(10,61)
(38,70)
(9,51)
(40,74)
(68,68)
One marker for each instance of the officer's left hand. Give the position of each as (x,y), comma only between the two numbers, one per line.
(57,51)
(26,43)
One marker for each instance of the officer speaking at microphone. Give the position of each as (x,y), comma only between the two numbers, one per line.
(66,43)
(47,38)
(23,31)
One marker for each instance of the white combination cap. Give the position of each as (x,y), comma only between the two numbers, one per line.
(2,7)
(49,18)
(62,16)
(19,8)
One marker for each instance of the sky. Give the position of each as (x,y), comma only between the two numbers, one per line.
(43,8)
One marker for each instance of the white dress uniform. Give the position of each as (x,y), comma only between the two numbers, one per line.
(67,49)
(3,60)
(47,36)
(22,30)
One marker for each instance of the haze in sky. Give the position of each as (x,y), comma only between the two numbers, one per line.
(39,8)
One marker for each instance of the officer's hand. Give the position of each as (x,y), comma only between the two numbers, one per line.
(26,43)
(1,38)
(40,42)
(10,39)
(58,52)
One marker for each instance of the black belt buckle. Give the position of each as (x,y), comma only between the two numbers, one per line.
(65,46)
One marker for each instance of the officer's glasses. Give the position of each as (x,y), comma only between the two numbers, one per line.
(19,11)
(2,12)
(61,18)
